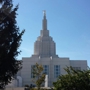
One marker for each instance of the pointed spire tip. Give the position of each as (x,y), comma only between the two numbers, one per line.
(44,12)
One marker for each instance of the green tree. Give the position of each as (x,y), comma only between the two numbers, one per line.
(1,1)
(10,40)
(38,76)
(73,80)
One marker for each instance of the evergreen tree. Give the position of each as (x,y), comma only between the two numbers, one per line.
(10,40)
(1,1)
(73,80)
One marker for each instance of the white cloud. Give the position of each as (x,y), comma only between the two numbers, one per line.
(27,49)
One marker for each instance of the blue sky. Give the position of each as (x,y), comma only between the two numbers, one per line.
(68,24)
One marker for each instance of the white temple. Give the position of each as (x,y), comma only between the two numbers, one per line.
(45,54)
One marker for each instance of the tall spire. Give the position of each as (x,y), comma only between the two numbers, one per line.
(44,14)
(44,23)
(44,46)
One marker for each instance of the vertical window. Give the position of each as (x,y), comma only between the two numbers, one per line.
(32,76)
(46,69)
(56,71)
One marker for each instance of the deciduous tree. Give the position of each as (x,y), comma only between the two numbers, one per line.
(38,76)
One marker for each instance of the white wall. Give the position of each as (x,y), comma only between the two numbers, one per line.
(27,62)
(63,62)
(79,63)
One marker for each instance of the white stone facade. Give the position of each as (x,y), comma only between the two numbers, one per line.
(51,62)
(45,54)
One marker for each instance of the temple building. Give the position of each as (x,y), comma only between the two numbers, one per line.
(45,54)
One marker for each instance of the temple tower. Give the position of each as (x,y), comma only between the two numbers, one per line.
(44,45)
